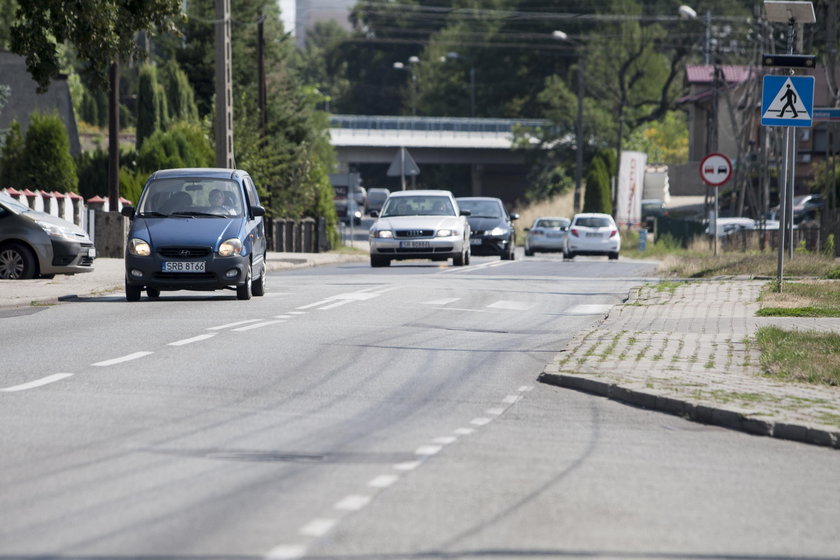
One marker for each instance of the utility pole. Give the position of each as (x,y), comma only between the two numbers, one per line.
(114,138)
(224,88)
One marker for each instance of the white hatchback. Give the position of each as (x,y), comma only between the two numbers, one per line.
(593,234)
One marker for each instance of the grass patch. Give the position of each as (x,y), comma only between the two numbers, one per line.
(755,264)
(812,298)
(803,356)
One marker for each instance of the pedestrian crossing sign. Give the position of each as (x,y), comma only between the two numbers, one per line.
(787,101)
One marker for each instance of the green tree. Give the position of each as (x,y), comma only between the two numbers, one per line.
(152,113)
(46,162)
(11,158)
(180,98)
(7,17)
(597,197)
(664,141)
(185,144)
(101,32)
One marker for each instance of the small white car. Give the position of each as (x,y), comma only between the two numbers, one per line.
(420,225)
(593,234)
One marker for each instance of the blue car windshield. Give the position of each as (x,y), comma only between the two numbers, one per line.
(196,197)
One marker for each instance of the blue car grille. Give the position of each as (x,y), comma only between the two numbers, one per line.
(184,252)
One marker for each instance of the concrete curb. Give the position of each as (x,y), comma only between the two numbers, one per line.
(704,414)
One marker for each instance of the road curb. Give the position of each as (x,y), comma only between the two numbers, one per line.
(703,414)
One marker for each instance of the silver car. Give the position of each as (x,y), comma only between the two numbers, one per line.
(547,235)
(420,225)
(36,244)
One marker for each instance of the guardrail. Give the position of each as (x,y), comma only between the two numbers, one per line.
(433,124)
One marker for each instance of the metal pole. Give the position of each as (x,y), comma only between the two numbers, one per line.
(114,138)
(791,187)
(579,134)
(715,230)
(783,211)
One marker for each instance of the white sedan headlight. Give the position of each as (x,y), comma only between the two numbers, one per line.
(497,231)
(383,234)
(139,248)
(446,233)
(230,247)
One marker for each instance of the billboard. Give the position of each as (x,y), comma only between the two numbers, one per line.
(631,176)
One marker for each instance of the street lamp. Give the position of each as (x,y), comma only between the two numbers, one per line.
(454,55)
(562,36)
(412,60)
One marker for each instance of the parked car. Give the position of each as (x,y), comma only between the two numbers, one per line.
(491,227)
(376,198)
(34,243)
(547,235)
(593,234)
(180,240)
(420,225)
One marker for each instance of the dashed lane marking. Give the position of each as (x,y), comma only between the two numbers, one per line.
(198,338)
(37,383)
(128,358)
(354,502)
(231,325)
(258,325)
(317,527)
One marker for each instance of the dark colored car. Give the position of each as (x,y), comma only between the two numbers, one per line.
(36,244)
(196,229)
(492,231)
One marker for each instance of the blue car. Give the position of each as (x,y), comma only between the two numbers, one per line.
(196,229)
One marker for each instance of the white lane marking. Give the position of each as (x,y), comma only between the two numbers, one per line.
(230,325)
(525,388)
(297,312)
(446,301)
(317,527)
(495,411)
(383,481)
(122,359)
(445,440)
(354,502)
(511,305)
(37,383)
(346,298)
(257,326)
(480,421)
(427,450)
(590,309)
(474,267)
(198,338)
(464,431)
(335,304)
(283,316)
(407,466)
(511,399)
(286,552)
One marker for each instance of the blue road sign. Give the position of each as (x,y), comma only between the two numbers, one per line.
(826,114)
(787,101)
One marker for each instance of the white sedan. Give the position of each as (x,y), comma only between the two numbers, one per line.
(420,225)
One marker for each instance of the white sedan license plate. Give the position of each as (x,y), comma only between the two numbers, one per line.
(415,245)
(592,234)
(183,266)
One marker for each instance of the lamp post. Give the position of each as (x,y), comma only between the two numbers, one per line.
(456,56)
(409,67)
(581,87)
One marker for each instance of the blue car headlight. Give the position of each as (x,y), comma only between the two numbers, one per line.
(230,247)
(139,248)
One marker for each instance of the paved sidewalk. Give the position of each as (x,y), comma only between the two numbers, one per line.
(686,352)
(108,277)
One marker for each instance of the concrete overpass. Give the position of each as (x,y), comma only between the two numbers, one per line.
(483,144)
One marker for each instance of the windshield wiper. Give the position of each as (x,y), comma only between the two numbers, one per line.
(194,214)
(155,214)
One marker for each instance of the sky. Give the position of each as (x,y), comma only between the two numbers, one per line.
(287,13)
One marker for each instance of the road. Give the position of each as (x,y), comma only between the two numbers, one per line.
(360,413)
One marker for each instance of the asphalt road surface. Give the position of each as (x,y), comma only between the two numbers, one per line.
(373,413)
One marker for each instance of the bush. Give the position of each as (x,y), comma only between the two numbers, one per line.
(597,197)
(47,163)
(183,145)
(11,158)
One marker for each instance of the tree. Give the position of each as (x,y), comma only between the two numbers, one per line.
(101,32)
(180,98)
(185,144)
(11,158)
(152,112)
(46,161)
(597,197)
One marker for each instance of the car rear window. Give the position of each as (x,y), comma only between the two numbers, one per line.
(593,222)
(551,223)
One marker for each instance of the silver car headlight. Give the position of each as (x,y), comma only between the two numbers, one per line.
(230,247)
(57,232)
(446,233)
(383,234)
(496,231)
(139,248)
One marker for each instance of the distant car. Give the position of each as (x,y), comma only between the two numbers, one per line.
(491,227)
(376,198)
(547,235)
(805,208)
(593,234)
(420,225)
(180,240)
(346,207)
(34,244)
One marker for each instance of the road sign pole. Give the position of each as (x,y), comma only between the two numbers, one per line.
(783,211)
(717,215)
(791,190)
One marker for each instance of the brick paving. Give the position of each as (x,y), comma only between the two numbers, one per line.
(689,350)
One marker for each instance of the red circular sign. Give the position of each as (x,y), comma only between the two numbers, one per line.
(715,169)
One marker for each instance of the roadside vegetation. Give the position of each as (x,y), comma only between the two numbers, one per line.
(802,356)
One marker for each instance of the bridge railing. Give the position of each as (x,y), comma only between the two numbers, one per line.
(433,124)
